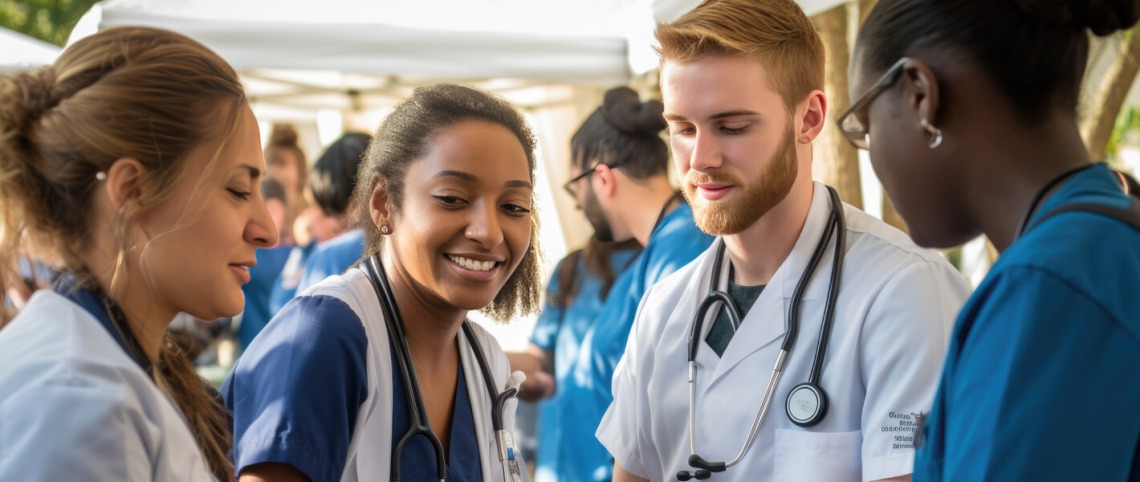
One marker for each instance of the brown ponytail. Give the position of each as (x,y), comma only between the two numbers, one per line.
(141,93)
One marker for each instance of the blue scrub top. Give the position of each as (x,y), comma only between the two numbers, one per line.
(417,462)
(332,257)
(673,244)
(561,329)
(262,277)
(286,285)
(1038,382)
(296,393)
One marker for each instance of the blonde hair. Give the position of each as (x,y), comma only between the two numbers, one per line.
(775,32)
(142,93)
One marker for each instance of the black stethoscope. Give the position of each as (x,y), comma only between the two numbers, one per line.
(418,423)
(807,402)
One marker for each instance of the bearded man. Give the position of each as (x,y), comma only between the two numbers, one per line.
(851,313)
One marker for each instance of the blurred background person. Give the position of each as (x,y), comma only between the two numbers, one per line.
(270,262)
(327,220)
(577,289)
(287,164)
(330,188)
(621,183)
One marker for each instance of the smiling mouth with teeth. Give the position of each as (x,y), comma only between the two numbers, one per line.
(472,264)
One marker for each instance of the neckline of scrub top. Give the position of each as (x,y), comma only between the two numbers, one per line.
(92,302)
(417,462)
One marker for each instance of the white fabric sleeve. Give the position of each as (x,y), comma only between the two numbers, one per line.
(64,428)
(624,429)
(903,345)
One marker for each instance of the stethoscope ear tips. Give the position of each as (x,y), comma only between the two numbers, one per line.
(807,404)
(699,474)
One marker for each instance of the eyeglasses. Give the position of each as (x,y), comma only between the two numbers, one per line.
(853,128)
(569,186)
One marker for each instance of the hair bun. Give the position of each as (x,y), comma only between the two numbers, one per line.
(624,111)
(1102,17)
(283,135)
(30,95)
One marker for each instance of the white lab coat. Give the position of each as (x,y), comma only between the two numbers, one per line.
(75,406)
(370,450)
(893,317)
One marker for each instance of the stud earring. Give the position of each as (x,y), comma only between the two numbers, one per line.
(100,176)
(935,132)
(384,230)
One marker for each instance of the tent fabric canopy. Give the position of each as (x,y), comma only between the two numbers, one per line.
(19,51)
(582,42)
(585,42)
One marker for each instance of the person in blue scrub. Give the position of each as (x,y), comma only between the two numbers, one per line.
(133,163)
(620,166)
(575,294)
(335,244)
(970,139)
(331,388)
(331,184)
(270,262)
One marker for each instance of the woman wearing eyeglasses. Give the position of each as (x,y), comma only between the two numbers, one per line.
(969,109)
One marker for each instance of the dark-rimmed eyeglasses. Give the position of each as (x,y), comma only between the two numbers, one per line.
(569,186)
(852,127)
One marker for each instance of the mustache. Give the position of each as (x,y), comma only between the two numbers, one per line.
(693,178)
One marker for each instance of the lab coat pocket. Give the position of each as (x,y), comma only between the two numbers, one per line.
(803,456)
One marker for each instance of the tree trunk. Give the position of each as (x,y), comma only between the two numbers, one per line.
(865,9)
(888,210)
(837,162)
(1104,101)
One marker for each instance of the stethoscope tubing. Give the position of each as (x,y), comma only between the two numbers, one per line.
(417,420)
(836,227)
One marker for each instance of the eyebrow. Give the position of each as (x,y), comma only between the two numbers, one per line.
(254,173)
(471,178)
(718,115)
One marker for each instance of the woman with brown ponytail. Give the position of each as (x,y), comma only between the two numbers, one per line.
(135,160)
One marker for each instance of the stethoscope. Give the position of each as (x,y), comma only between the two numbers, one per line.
(418,423)
(807,403)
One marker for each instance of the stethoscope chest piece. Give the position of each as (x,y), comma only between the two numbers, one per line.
(807,404)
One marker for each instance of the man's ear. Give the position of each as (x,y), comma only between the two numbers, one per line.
(604,181)
(124,182)
(380,205)
(922,94)
(812,116)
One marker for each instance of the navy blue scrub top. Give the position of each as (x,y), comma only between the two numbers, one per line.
(417,462)
(296,392)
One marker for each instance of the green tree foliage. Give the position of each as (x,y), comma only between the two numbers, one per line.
(48,20)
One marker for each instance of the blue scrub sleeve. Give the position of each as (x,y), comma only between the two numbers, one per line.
(1024,399)
(546,328)
(296,392)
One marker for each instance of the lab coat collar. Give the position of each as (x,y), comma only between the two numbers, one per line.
(67,285)
(766,321)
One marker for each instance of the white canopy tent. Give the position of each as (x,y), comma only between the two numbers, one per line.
(297,53)
(19,51)
(355,58)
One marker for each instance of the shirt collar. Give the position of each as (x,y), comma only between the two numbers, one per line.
(68,286)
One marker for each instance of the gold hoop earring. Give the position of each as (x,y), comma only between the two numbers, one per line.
(936,133)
